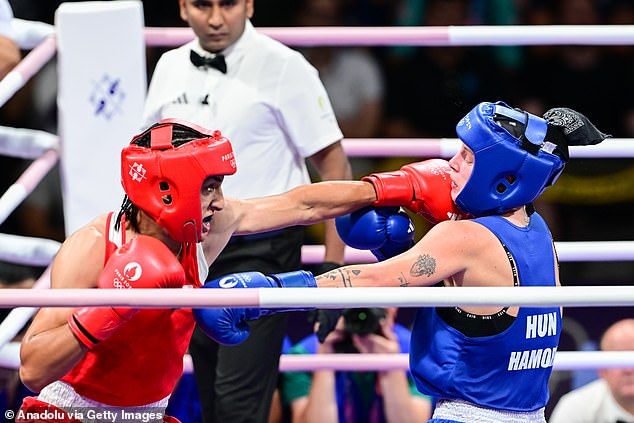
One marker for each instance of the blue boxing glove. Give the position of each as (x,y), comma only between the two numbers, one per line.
(228,326)
(385,231)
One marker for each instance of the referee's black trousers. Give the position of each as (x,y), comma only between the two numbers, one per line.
(236,384)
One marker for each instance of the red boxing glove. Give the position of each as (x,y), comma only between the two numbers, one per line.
(422,187)
(144,262)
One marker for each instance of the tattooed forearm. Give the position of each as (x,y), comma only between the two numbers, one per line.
(345,278)
(341,277)
(424,265)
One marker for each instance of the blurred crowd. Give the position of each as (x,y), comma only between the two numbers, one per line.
(399,91)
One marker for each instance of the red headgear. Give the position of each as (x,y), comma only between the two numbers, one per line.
(165,181)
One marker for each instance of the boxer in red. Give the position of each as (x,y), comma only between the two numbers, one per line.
(173,223)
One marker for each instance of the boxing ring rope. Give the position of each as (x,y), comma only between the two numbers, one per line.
(26,183)
(567,251)
(26,143)
(447,147)
(478,35)
(27,250)
(340,298)
(567,296)
(28,34)
(32,144)
(15,322)
(564,361)
(28,66)
(39,251)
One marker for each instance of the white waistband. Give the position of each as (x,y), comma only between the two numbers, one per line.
(63,396)
(467,412)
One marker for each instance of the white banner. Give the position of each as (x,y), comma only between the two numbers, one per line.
(102,86)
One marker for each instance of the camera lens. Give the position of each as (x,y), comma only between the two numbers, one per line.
(363,321)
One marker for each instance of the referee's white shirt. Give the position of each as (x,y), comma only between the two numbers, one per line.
(270,104)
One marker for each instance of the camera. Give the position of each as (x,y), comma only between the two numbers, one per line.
(360,321)
(363,321)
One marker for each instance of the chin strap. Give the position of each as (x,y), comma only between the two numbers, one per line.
(189,261)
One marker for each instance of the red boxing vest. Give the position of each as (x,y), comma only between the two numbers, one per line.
(142,362)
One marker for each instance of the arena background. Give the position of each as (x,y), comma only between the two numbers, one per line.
(426,91)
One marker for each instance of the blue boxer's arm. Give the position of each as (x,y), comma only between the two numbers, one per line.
(228,326)
(297,279)
(385,231)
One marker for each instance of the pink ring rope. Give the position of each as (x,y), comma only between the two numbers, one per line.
(479,35)
(26,183)
(31,64)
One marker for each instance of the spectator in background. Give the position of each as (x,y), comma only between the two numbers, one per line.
(269,100)
(609,399)
(621,60)
(353,79)
(587,76)
(373,397)
(556,72)
(351,76)
(9,52)
(453,77)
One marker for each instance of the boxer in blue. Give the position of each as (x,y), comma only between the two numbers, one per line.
(487,363)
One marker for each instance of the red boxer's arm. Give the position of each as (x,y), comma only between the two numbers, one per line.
(144,262)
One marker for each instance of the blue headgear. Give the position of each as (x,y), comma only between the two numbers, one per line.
(509,170)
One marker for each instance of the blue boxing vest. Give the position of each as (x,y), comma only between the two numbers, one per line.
(505,371)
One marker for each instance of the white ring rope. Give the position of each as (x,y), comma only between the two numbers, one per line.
(26,143)
(39,250)
(25,184)
(27,250)
(30,144)
(28,34)
(447,147)
(10,355)
(30,64)
(17,318)
(568,296)
(564,361)
(478,35)
(566,250)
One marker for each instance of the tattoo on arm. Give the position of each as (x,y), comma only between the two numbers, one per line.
(424,265)
(402,280)
(344,276)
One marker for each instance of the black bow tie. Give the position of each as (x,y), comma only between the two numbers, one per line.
(217,62)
